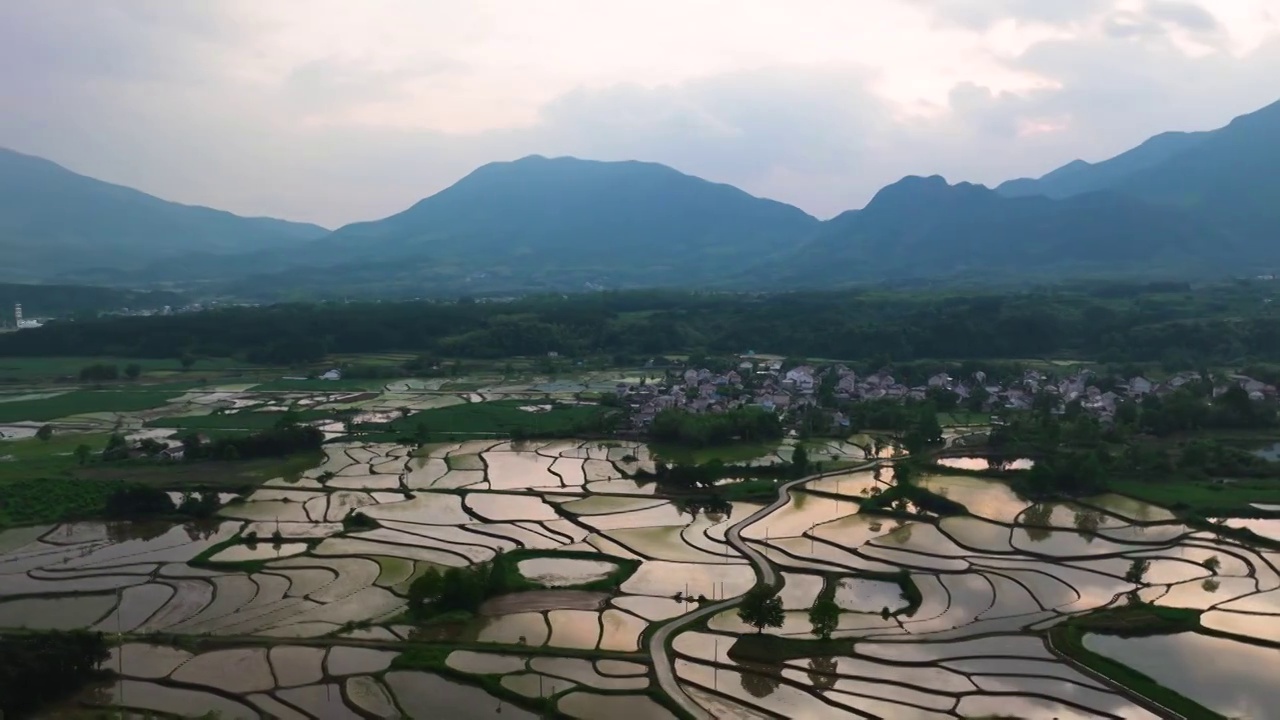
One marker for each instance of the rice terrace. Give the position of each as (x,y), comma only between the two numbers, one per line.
(482,545)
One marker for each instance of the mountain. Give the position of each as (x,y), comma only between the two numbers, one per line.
(923,227)
(1229,177)
(1078,176)
(565,222)
(54,222)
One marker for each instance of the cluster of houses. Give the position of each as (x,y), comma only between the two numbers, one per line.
(766,385)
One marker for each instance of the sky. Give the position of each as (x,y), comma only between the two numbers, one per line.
(332,111)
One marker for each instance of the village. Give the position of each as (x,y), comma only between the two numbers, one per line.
(769,385)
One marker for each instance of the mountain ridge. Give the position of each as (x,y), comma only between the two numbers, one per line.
(1179,202)
(53,217)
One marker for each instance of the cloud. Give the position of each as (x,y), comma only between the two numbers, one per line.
(982,14)
(1187,15)
(335,112)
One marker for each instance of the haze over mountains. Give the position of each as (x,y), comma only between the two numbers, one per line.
(1180,204)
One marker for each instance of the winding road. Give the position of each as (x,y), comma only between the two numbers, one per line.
(663,666)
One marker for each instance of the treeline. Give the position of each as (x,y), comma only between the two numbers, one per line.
(749,424)
(1176,325)
(37,669)
(142,501)
(286,439)
(1076,454)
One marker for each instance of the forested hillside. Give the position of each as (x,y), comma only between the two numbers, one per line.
(1167,322)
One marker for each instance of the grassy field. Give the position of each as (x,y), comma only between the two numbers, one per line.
(36,483)
(499,417)
(1206,498)
(78,402)
(230,476)
(48,368)
(321,385)
(243,420)
(42,482)
(32,458)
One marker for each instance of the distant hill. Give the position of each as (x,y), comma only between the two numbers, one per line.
(54,221)
(926,228)
(1230,178)
(565,222)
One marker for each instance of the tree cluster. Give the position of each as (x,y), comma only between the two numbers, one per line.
(275,442)
(749,424)
(457,589)
(41,668)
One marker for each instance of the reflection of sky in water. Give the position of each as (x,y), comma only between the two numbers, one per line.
(1233,678)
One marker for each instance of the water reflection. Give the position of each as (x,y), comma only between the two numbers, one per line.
(822,672)
(758,679)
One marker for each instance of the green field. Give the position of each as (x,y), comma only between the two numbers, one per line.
(36,483)
(1206,498)
(42,482)
(79,402)
(15,369)
(32,458)
(321,385)
(243,420)
(499,417)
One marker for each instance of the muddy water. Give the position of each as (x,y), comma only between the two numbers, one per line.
(869,596)
(59,613)
(136,605)
(241,670)
(802,512)
(371,696)
(1130,508)
(422,695)
(985,498)
(517,470)
(561,572)
(981,463)
(1239,682)
(501,507)
(142,695)
(259,551)
(535,684)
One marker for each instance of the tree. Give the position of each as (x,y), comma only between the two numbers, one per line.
(82,453)
(186,360)
(761,608)
(44,667)
(117,448)
(99,372)
(1137,570)
(800,460)
(45,432)
(132,371)
(824,616)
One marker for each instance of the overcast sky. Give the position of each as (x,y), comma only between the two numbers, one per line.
(333,111)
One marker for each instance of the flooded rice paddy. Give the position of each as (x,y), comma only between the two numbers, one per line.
(984,587)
